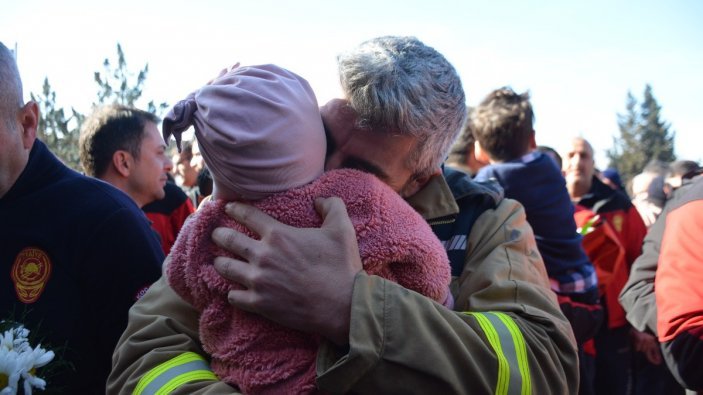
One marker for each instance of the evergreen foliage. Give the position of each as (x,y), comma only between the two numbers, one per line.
(115,85)
(644,137)
(59,132)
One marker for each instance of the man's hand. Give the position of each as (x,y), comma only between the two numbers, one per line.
(646,343)
(300,278)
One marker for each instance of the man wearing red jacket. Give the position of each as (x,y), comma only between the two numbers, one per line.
(167,215)
(678,287)
(612,343)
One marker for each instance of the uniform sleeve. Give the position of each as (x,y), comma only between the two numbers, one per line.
(122,258)
(637,296)
(634,234)
(160,349)
(507,335)
(679,294)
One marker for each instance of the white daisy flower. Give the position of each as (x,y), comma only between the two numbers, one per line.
(32,382)
(10,372)
(18,360)
(29,361)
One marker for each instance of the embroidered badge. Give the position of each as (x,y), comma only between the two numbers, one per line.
(617,222)
(30,273)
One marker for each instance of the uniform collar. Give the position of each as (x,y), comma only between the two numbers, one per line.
(42,167)
(434,200)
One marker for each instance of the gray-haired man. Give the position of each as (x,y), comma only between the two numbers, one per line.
(403,108)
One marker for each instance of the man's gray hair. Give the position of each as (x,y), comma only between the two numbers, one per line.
(10,86)
(402,86)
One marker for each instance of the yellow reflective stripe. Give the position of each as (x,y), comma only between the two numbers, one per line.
(494,341)
(185,378)
(520,351)
(510,349)
(158,370)
(173,367)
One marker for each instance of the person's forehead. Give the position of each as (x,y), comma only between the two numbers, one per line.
(151,133)
(371,145)
(151,127)
(581,146)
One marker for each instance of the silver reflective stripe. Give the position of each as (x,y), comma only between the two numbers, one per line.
(508,346)
(457,242)
(158,382)
(508,343)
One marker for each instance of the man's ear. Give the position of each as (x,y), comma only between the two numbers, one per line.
(29,119)
(533,141)
(415,184)
(122,162)
(480,154)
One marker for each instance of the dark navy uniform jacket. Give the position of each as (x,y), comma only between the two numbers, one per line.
(75,254)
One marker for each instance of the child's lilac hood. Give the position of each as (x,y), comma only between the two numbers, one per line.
(259,130)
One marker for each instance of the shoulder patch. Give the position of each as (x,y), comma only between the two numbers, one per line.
(30,273)
(617,222)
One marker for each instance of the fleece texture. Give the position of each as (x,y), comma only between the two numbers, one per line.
(260,356)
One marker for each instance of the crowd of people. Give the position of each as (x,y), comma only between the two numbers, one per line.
(389,241)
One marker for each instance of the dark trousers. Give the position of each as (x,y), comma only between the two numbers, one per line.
(613,361)
(654,379)
(587,372)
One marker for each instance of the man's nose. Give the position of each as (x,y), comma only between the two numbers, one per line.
(168,165)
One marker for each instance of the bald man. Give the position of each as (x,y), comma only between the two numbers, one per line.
(76,253)
(614,352)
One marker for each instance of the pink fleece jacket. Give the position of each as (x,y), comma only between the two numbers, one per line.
(260,356)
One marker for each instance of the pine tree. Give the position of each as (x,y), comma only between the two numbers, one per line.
(657,141)
(644,137)
(56,130)
(115,85)
(61,132)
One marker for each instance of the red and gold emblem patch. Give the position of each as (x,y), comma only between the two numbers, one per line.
(617,222)
(30,273)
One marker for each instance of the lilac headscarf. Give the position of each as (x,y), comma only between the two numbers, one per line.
(258,128)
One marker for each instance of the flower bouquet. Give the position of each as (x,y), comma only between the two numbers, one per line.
(19,361)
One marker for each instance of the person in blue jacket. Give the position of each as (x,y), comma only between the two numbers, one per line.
(503,127)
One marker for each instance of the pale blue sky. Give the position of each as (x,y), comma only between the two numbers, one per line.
(578,59)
